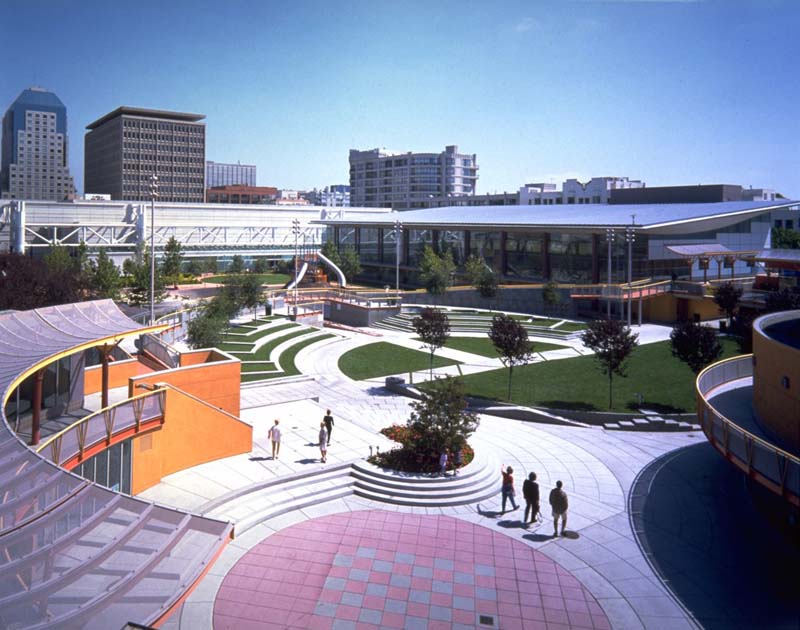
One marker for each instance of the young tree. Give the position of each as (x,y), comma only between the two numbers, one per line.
(173,257)
(695,345)
(194,267)
(205,330)
(331,252)
(104,277)
(441,421)
(612,342)
(211,265)
(260,265)
(433,328)
(551,295)
(250,293)
(349,263)
(784,300)
(510,339)
(481,277)
(237,264)
(727,297)
(436,272)
(139,282)
(58,260)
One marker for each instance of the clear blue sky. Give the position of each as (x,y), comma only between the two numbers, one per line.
(668,92)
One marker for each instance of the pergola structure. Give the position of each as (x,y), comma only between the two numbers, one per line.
(704,253)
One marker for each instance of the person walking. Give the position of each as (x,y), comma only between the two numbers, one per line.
(530,490)
(560,505)
(323,442)
(328,420)
(508,487)
(459,460)
(443,463)
(274,435)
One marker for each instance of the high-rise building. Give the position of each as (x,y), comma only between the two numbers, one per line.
(220,174)
(382,179)
(125,147)
(35,163)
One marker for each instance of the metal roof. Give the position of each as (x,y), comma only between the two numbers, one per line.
(701,249)
(641,216)
(159,114)
(786,257)
(74,554)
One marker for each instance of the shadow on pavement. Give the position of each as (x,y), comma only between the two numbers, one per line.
(694,518)
(538,537)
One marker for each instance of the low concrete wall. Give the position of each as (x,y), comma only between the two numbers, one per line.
(352,314)
(515,299)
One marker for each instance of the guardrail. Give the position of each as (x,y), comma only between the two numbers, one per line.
(101,426)
(366,298)
(160,349)
(770,465)
(639,289)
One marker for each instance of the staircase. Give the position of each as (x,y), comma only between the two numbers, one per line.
(651,423)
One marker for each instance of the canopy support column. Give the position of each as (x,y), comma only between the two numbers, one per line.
(36,420)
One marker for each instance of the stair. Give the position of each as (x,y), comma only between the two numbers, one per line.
(651,423)
(477,481)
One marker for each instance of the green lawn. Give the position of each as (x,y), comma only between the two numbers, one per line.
(666,383)
(383,358)
(249,335)
(263,353)
(263,278)
(571,327)
(484,347)
(258,367)
(241,344)
(287,360)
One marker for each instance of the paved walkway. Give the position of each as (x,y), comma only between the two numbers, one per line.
(603,551)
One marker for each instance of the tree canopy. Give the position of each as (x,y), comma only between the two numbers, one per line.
(481,277)
(433,327)
(726,297)
(695,345)
(510,339)
(436,272)
(173,257)
(612,342)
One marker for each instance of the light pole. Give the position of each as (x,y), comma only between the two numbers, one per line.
(630,237)
(153,195)
(610,239)
(398,226)
(296,231)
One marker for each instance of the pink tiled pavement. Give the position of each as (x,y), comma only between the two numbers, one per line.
(376,569)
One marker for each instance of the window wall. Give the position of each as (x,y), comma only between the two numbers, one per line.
(417,240)
(389,236)
(570,257)
(452,240)
(111,468)
(56,382)
(487,246)
(369,245)
(525,255)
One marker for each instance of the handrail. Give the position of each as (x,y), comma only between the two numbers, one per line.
(108,414)
(165,386)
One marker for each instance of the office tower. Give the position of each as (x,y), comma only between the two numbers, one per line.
(220,174)
(126,147)
(34,163)
(402,181)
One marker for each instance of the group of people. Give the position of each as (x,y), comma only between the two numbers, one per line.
(530,491)
(325,431)
(457,459)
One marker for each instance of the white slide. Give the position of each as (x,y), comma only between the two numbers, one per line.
(299,277)
(342,279)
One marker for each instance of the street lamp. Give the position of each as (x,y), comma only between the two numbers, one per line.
(296,232)
(153,195)
(398,226)
(610,239)
(630,237)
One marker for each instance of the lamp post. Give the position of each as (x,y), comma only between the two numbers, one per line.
(630,237)
(398,226)
(153,195)
(610,239)
(296,232)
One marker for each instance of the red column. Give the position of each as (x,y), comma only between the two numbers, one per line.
(104,352)
(37,407)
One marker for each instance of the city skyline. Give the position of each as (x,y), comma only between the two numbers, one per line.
(667,92)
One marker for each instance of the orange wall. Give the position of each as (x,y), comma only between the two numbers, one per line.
(216,383)
(664,308)
(777,407)
(193,433)
(118,374)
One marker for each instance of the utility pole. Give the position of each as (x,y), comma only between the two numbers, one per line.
(630,237)
(296,231)
(398,230)
(610,239)
(153,195)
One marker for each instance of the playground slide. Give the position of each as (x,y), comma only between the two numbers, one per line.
(299,277)
(342,279)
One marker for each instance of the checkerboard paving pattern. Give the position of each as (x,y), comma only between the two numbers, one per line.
(376,569)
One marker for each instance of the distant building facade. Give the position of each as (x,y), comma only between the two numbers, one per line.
(242,194)
(701,193)
(124,148)
(337,195)
(596,190)
(288,197)
(220,174)
(35,158)
(403,181)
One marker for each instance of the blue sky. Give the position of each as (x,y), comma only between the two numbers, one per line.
(674,92)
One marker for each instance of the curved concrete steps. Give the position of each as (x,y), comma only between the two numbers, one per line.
(475,482)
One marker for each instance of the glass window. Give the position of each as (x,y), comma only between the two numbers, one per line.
(368,245)
(524,255)
(417,240)
(453,240)
(487,246)
(571,257)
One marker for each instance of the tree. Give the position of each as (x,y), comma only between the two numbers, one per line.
(139,281)
(104,277)
(250,294)
(784,300)
(433,328)
(436,272)
(510,339)
(237,264)
(205,330)
(58,260)
(695,345)
(727,297)
(551,295)
(785,238)
(211,265)
(260,265)
(173,257)
(481,277)
(194,267)
(27,283)
(612,342)
(331,252)
(349,263)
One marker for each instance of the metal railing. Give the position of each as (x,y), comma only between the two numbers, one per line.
(639,289)
(773,467)
(161,350)
(101,426)
(361,298)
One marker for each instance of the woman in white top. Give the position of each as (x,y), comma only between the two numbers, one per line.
(274,434)
(323,441)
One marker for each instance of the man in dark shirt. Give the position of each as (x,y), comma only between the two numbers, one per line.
(560,504)
(530,490)
(328,420)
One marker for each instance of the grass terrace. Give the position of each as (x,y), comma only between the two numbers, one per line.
(263,278)
(384,359)
(483,346)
